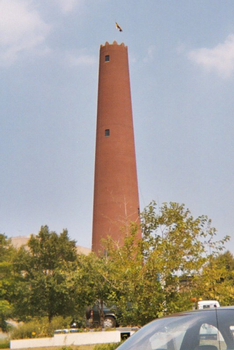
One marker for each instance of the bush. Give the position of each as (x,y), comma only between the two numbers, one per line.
(40,327)
(4,344)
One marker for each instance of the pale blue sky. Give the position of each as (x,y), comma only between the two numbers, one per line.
(181,57)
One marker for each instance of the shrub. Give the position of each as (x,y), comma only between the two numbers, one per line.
(4,343)
(39,327)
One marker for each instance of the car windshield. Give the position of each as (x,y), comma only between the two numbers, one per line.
(195,330)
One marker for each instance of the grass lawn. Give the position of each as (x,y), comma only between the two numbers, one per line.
(81,347)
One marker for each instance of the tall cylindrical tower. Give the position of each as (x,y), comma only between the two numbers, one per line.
(116,201)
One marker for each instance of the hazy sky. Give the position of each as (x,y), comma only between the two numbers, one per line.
(181,57)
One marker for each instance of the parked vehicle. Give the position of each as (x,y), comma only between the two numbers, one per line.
(204,329)
(207,304)
(93,316)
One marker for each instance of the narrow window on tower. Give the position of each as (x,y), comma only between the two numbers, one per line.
(107,132)
(107,58)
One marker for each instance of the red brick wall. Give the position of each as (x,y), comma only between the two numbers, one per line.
(116,201)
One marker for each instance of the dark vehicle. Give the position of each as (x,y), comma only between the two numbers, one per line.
(93,316)
(210,329)
(78,322)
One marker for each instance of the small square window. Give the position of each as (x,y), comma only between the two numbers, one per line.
(107,58)
(107,132)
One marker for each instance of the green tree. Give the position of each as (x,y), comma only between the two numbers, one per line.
(42,288)
(217,278)
(160,273)
(180,246)
(6,279)
(93,281)
(134,285)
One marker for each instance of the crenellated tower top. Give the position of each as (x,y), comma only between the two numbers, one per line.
(114,43)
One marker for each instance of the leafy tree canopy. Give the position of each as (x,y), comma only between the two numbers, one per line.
(177,258)
(7,253)
(43,289)
(159,273)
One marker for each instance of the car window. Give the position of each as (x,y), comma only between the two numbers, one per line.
(170,336)
(231,329)
(167,341)
(210,335)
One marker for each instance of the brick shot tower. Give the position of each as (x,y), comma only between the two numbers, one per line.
(116,200)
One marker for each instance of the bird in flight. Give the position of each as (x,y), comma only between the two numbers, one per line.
(118,27)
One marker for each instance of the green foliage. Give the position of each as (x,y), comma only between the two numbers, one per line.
(38,328)
(176,259)
(4,344)
(145,277)
(180,247)
(7,280)
(5,312)
(42,288)
(217,279)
